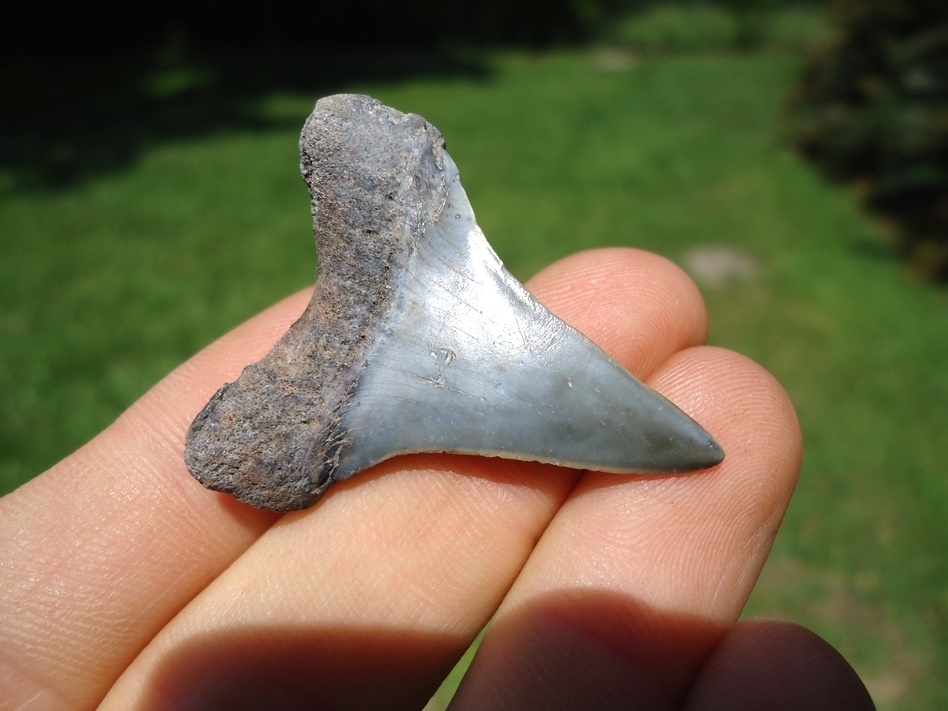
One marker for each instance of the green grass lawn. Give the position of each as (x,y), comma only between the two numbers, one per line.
(108,282)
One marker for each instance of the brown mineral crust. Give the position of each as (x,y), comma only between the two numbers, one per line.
(271,438)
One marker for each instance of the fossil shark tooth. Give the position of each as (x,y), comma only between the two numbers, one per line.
(418,340)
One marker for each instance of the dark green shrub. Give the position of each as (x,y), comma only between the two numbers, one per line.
(872,110)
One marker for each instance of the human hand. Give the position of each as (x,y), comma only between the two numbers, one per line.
(122,578)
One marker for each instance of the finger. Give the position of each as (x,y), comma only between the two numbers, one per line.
(600,292)
(367,600)
(635,579)
(770,664)
(102,550)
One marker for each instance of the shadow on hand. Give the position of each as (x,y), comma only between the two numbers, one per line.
(303,668)
(567,650)
(589,649)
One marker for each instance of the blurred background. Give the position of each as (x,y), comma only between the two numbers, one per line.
(791,156)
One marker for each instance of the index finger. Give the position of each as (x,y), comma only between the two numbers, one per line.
(102,550)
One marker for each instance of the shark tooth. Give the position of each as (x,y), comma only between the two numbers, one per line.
(418,340)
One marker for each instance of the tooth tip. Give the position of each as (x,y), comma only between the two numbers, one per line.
(709,455)
(698,449)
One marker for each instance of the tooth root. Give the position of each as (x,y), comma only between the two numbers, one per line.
(418,340)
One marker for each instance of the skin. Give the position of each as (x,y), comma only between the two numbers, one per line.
(126,585)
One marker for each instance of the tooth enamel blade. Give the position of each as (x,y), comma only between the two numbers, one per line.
(470,362)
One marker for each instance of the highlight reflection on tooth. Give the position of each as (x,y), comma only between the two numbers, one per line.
(418,340)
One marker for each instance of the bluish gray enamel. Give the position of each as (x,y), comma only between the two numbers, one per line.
(469,362)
